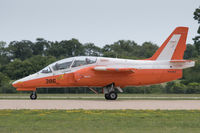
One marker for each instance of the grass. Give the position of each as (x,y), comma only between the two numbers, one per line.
(121,96)
(99,121)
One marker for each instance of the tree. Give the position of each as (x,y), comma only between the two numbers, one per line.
(72,48)
(190,52)
(169,87)
(2,47)
(193,88)
(192,74)
(38,62)
(147,49)
(5,84)
(179,88)
(122,49)
(21,50)
(92,50)
(18,69)
(3,53)
(65,48)
(40,46)
(108,52)
(54,49)
(197,38)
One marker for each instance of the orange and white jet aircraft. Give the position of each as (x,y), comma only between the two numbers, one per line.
(112,73)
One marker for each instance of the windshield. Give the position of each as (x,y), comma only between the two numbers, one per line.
(80,61)
(46,70)
(62,64)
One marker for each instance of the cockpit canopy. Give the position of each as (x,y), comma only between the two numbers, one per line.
(62,64)
(69,63)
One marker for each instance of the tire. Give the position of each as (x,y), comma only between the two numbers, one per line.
(33,96)
(113,95)
(107,96)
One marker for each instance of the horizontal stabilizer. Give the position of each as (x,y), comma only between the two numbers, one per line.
(178,61)
(181,64)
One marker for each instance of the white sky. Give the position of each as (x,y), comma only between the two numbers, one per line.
(97,21)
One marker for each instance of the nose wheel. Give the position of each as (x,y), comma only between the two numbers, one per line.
(33,95)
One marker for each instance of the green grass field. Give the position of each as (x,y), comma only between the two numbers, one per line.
(99,121)
(121,96)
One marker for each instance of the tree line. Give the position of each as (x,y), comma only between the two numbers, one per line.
(22,58)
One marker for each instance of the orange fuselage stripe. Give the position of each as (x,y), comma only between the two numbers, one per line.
(89,77)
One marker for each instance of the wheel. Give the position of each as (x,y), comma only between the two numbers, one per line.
(113,95)
(107,96)
(33,96)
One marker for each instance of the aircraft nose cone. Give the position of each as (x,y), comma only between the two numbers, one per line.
(17,84)
(14,84)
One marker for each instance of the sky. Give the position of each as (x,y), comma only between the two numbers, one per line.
(96,21)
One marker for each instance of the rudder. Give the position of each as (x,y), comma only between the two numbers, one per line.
(174,46)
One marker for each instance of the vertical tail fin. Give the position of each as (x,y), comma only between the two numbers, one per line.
(174,46)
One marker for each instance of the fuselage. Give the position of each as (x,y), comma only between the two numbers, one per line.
(86,71)
(165,65)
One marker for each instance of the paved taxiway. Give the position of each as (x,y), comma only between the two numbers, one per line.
(101,104)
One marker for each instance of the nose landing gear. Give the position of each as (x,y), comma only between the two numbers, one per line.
(33,95)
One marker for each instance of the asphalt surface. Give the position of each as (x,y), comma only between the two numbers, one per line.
(102,104)
(102,97)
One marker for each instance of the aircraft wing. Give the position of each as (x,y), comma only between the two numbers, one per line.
(114,69)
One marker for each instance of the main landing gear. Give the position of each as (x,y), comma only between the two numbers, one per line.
(33,95)
(110,92)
